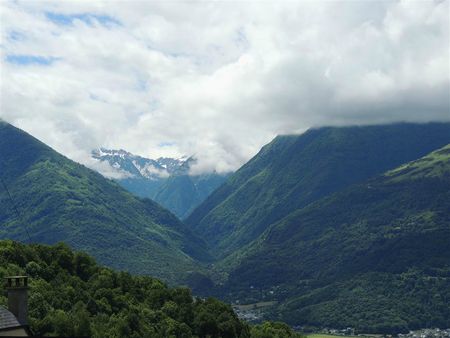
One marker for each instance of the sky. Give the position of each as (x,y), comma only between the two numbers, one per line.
(216,79)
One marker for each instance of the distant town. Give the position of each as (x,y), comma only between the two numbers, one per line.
(255,313)
(427,333)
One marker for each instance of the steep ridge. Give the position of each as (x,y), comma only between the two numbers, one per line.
(293,171)
(374,256)
(61,200)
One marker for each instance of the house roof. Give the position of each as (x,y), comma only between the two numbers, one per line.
(7,319)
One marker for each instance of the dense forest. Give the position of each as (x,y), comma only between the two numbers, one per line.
(374,256)
(71,295)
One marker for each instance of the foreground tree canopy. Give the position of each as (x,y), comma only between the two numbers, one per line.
(70,295)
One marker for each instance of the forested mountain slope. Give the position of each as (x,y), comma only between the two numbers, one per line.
(375,256)
(60,200)
(293,171)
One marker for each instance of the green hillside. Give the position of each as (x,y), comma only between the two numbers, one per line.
(294,171)
(60,200)
(375,256)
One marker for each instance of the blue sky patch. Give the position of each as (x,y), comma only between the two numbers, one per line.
(88,18)
(16,36)
(30,59)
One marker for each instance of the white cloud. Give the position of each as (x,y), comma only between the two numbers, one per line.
(106,169)
(217,79)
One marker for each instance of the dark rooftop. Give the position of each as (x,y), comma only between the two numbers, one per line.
(7,319)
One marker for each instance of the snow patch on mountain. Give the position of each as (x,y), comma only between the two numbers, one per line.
(125,163)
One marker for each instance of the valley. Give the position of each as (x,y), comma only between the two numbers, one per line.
(225,169)
(364,256)
(167,181)
(332,229)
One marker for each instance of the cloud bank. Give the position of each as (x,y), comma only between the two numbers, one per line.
(217,79)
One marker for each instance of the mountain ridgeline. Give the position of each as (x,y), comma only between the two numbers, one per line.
(341,227)
(337,227)
(374,256)
(293,171)
(60,200)
(165,180)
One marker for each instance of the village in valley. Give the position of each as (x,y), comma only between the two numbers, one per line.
(255,313)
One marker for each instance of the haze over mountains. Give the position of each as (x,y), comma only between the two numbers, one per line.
(165,180)
(339,227)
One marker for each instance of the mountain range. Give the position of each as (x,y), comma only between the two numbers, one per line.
(57,199)
(165,180)
(337,227)
(341,227)
(293,171)
(374,256)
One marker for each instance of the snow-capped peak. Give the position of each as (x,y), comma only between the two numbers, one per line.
(138,166)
